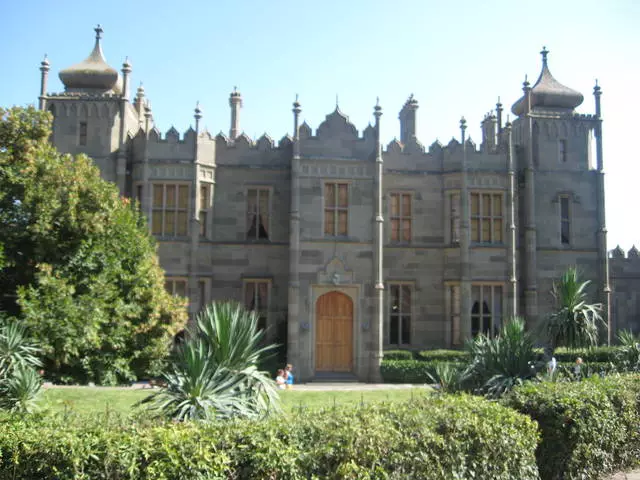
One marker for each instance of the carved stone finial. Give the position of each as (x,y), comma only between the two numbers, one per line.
(633,253)
(98,31)
(525,84)
(596,89)
(544,52)
(197,111)
(617,252)
(463,124)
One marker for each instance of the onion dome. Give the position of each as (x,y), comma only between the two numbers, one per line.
(92,74)
(548,93)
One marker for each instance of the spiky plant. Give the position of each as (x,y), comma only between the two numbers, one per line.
(575,322)
(20,384)
(498,364)
(628,354)
(449,376)
(215,374)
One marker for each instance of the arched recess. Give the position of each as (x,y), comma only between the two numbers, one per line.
(334,333)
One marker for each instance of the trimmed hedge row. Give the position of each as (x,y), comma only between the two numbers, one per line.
(408,371)
(588,428)
(595,354)
(448,437)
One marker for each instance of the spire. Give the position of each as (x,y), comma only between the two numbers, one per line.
(126,70)
(499,116)
(44,65)
(44,76)
(407,118)
(597,92)
(544,52)
(463,128)
(98,31)
(235,102)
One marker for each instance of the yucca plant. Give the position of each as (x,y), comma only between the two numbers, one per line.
(575,323)
(449,376)
(20,384)
(628,353)
(214,374)
(498,364)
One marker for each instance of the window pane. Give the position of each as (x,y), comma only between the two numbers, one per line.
(564,208)
(406,205)
(486,230)
(406,299)
(343,195)
(342,223)
(139,193)
(182,223)
(329,226)
(204,197)
(393,329)
(171,196)
(329,194)
(406,330)
(475,325)
(202,293)
(395,205)
(497,205)
(181,288)
(203,224)
(486,205)
(264,202)
(156,223)
(475,206)
(475,231)
(168,286)
(564,233)
(170,223)
(406,230)
(395,230)
(157,195)
(252,196)
(497,230)
(395,298)
(249,295)
(263,289)
(183,196)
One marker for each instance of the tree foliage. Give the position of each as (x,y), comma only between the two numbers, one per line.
(79,266)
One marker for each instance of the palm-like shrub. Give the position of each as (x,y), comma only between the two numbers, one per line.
(215,374)
(498,364)
(575,322)
(20,384)
(628,354)
(449,376)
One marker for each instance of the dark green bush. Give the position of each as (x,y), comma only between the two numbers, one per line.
(409,371)
(588,355)
(588,428)
(449,437)
(398,355)
(461,356)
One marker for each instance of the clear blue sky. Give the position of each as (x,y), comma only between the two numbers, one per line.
(456,57)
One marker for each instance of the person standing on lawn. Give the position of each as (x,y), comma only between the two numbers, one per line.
(289,375)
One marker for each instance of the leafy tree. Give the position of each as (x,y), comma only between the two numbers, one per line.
(215,373)
(575,322)
(80,268)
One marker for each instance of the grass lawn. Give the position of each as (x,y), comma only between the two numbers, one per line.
(92,400)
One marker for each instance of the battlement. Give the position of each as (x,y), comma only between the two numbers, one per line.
(617,254)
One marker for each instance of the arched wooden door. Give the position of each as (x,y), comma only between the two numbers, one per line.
(334,333)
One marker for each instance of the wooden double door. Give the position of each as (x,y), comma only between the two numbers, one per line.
(334,333)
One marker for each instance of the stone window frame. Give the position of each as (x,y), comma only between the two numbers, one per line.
(450,227)
(264,313)
(176,210)
(453,311)
(482,216)
(174,281)
(204,207)
(411,314)
(563,152)
(572,200)
(336,208)
(494,326)
(259,188)
(401,217)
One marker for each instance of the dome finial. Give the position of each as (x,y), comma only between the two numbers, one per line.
(544,52)
(98,31)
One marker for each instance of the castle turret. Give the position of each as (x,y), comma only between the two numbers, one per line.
(407,118)
(126,70)
(44,68)
(489,132)
(235,102)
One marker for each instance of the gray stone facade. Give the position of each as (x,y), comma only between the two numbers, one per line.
(427,245)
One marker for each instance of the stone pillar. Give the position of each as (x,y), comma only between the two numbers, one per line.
(147,195)
(512,309)
(465,242)
(603,257)
(121,159)
(407,118)
(530,233)
(194,233)
(378,281)
(235,102)
(293,316)
(44,76)
(499,118)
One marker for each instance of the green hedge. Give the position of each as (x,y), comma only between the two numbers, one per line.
(595,354)
(409,371)
(443,356)
(399,355)
(439,437)
(588,428)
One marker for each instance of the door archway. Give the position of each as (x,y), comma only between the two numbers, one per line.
(334,333)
